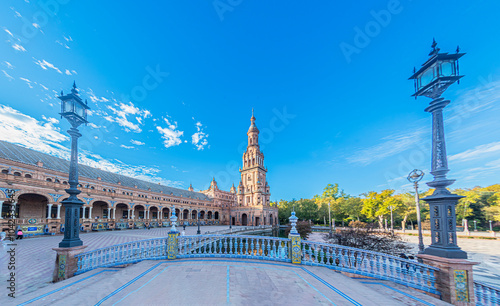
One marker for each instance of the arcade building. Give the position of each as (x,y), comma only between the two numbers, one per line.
(32,187)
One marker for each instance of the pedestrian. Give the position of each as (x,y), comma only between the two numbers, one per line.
(149,226)
(19,234)
(184,227)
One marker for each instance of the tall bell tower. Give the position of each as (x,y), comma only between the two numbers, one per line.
(253,189)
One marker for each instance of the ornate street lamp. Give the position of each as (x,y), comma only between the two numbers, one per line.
(431,80)
(199,215)
(414,177)
(75,111)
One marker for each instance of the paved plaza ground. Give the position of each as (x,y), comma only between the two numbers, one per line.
(222,282)
(35,264)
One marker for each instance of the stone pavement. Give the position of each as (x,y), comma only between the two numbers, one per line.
(35,258)
(222,282)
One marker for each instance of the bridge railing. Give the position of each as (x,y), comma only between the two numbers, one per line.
(372,264)
(356,261)
(121,254)
(486,294)
(234,246)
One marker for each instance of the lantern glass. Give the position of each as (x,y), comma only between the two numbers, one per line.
(447,69)
(426,77)
(80,110)
(68,106)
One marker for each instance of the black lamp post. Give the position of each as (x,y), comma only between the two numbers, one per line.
(439,72)
(198,232)
(414,177)
(75,111)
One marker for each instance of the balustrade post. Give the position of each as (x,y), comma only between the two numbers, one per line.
(173,238)
(295,249)
(66,263)
(454,279)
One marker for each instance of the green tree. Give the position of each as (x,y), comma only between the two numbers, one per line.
(377,205)
(331,194)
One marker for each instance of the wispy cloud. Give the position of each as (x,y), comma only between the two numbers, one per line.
(137,142)
(27,82)
(62,44)
(390,145)
(170,135)
(45,65)
(199,139)
(44,136)
(9,65)
(126,147)
(481,151)
(18,47)
(122,111)
(7,75)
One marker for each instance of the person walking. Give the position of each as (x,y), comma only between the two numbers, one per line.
(19,234)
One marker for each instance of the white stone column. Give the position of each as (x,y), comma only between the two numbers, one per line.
(114,213)
(109,213)
(59,211)
(49,211)
(1,206)
(147,213)
(83,212)
(90,212)
(129,215)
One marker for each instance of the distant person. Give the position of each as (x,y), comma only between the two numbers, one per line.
(19,234)
(184,227)
(149,226)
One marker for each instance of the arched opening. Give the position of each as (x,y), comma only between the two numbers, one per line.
(27,176)
(185,214)
(100,210)
(166,213)
(153,212)
(122,211)
(5,171)
(202,215)
(177,212)
(31,206)
(244,219)
(193,214)
(139,212)
(209,215)
(271,219)
(49,180)
(17,173)
(216,215)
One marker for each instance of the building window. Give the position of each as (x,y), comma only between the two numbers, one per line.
(27,176)
(17,173)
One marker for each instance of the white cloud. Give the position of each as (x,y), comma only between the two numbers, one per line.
(8,32)
(170,135)
(68,38)
(43,87)
(92,125)
(18,47)
(21,129)
(36,25)
(126,147)
(9,65)
(7,75)
(27,82)
(199,139)
(67,72)
(44,65)
(478,152)
(137,142)
(122,111)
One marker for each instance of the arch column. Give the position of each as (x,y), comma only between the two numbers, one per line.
(109,213)
(90,212)
(129,215)
(49,212)
(147,214)
(83,212)
(114,213)
(59,211)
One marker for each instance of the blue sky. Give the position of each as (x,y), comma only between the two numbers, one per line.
(171,87)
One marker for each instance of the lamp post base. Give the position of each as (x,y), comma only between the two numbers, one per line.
(456,253)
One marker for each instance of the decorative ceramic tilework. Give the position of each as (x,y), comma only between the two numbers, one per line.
(296,253)
(62,267)
(172,245)
(461,288)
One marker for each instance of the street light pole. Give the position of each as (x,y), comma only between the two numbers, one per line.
(414,177)
(439,72)
(198,217)
(392,224)
(330,221)
(75,111)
